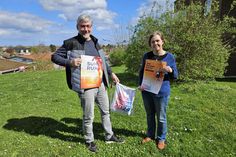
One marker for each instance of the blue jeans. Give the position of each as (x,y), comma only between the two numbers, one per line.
(156,106)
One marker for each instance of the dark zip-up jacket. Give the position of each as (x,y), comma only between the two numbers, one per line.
(76,44)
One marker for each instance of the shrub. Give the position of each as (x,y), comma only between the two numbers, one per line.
(117,56)
(139,44)
(41,66)
(194,38)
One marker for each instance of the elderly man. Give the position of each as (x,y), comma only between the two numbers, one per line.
(68,55)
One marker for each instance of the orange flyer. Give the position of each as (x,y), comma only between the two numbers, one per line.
(91,72)
(151,82)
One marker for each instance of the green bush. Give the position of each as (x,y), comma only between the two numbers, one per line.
(41,66)
(139,44)
(117,56)
(194,38)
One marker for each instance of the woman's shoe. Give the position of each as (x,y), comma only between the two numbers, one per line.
(146,139)
(160,145)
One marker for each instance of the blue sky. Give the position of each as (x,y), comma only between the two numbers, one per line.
(33,22)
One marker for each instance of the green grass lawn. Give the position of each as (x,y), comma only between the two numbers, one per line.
(40,116)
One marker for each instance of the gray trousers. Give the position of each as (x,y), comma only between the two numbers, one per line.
(100,96)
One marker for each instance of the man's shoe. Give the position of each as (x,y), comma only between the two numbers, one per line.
(146,139)
(115,139)
(160,145)
(91,146)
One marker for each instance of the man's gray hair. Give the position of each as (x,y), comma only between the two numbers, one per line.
(84,18)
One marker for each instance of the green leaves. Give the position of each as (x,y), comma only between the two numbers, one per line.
(117,57)
(195,39)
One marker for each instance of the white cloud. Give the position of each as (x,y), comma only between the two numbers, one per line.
(157,6)
(70,10)
(29,29)
(62,16)
(23,22)
(102,20)
(4,32)
(79,4)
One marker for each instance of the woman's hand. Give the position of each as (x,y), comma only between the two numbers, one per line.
(166,69)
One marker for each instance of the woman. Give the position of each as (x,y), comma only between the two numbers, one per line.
(156,104)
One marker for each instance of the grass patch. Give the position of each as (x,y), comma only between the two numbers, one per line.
(40,116)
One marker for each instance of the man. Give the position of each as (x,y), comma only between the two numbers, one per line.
(68,55)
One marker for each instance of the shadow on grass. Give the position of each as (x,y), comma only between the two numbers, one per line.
(43,126)
(67,129)
(226,79)
(97,128)
(128,79)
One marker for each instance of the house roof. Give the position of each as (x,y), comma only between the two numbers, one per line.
(38,56)
(7,64)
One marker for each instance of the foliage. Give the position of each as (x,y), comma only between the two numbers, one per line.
(194,38)
(10,51)
(117,56)
(42,117)
(139,43)
(41,66)
(41,48)
(52,47)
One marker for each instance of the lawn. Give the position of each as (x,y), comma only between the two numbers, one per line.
(41,117)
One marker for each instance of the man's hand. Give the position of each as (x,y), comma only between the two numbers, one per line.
(115,78)
(140,88)
(75,62)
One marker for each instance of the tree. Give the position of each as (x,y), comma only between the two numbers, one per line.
(117,56)
(10,51)
(195,40)
(41,48)
(52,47)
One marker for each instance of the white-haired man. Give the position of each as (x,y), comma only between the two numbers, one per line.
(85,43)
